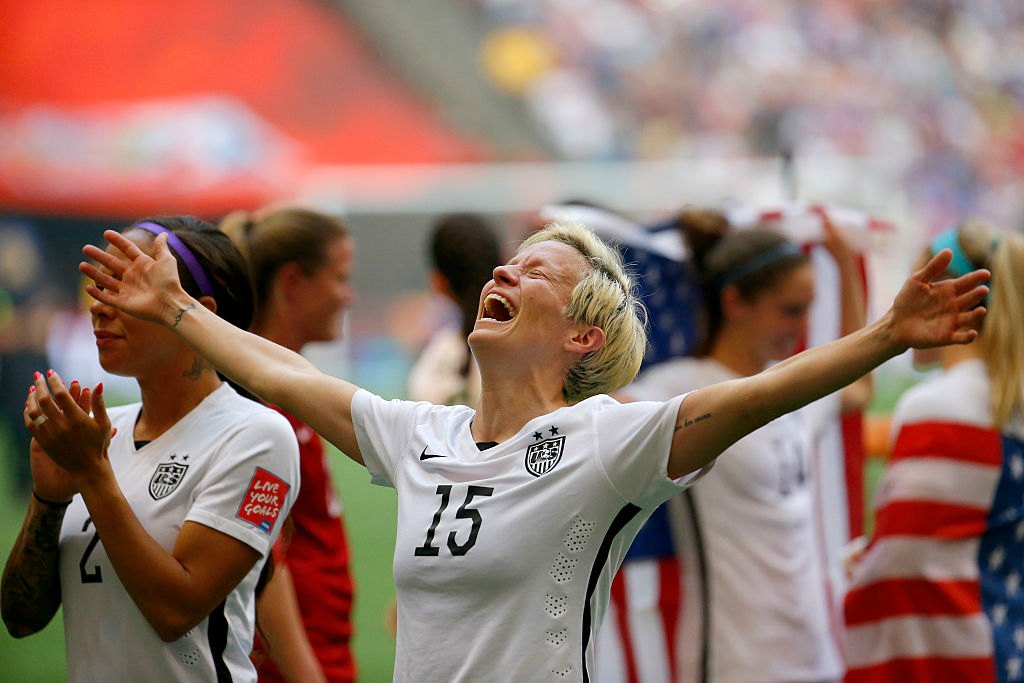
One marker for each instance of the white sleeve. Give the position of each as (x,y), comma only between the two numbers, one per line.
(252,484)
(634,440)
(383,430)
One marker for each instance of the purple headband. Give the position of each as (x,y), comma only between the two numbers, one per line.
(192,264)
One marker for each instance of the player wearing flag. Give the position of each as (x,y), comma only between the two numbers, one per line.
(513,517)
(150,525)
(756,603)
(937,594)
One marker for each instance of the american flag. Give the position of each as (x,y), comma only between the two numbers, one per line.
(938,595)
(637,643)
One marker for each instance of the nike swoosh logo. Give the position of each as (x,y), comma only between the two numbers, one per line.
(427,456)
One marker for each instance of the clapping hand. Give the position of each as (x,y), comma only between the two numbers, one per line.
(70,434)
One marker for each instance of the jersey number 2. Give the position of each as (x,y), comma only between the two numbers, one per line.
(464,512)
(96,575)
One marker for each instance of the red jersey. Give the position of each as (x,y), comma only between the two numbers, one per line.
(316,553)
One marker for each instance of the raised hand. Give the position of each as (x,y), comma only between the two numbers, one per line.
(835,241)
(929,312)
(74,441)
(132,280)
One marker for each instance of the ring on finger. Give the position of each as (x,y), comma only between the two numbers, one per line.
(38,422)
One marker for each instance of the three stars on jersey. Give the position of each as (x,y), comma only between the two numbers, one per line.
(541,457)
(167,477)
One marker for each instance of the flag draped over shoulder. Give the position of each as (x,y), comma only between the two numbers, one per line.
(938,594)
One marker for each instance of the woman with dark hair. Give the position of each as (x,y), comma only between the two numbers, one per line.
(464,252)
(755,588)
(151,523)
(301,262)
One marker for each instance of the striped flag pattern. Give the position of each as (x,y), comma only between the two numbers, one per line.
(637,641)
(938,595)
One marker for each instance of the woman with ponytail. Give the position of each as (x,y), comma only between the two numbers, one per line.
(755,602)
(301,263)
(464,252)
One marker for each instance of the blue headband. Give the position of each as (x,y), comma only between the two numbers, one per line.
(757,262)
(960,265)
(192,264)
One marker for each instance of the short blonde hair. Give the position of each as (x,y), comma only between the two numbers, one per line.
(606,297)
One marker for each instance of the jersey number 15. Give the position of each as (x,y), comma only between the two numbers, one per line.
(464,512)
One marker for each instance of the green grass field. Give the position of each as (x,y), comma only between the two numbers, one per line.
(370,520)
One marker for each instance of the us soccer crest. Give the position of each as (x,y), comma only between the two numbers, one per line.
(166,478)
(542,457)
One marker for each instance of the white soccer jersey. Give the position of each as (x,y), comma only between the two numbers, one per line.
(230,464)
(755,598)
(504,557)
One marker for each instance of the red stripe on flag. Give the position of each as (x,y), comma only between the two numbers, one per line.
(621,602)
(854,455)
(854,458)
(927,518)
(922,670)
(899,597)
(966,443)
(670,604)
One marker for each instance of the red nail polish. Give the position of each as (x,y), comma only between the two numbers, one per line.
(36,375)
(99,389)
(49,373)
(32,389)
(74,382)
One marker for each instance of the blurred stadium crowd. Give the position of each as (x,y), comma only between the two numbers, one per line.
(931,89)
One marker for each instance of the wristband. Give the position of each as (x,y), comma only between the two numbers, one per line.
(53,505)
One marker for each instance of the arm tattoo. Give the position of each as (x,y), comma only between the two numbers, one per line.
(181,314)
(687,422)
(30,592)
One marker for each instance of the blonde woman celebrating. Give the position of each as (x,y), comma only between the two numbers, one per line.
(514,517)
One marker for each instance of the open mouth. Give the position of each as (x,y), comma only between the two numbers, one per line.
(497,308)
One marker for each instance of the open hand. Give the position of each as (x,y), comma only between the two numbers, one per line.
(929,312)
(132,280)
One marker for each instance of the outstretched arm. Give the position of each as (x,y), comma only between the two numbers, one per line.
(148,287)
(926,313)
